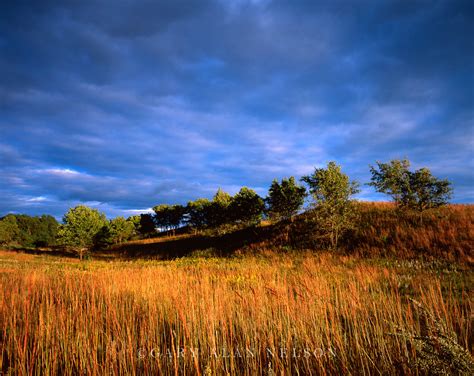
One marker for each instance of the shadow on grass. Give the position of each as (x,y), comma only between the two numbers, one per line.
(221,245)
(51,251)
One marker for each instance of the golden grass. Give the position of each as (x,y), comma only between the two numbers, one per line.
(380,230)
(444,233)
(272,314)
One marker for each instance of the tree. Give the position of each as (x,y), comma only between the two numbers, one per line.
(135,221)
(47,231)
(147,225)
(418,190)
(285,199)
(197,213)
(219,209)
(117,231)
(169,216)
(9,230)
(247,207)
(176,216)
(80,228)
(332,191)
(143,224)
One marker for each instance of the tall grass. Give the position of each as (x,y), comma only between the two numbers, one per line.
(381,229)
(446,233)
(286,314)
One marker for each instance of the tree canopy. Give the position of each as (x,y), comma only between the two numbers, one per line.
(26,231)
(80,228)
(169,217)
(117,231)
(218,212)
(332,191)
(247,207)
(197,213)
(285,198)
(418,190)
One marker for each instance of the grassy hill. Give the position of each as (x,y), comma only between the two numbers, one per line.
(446,233)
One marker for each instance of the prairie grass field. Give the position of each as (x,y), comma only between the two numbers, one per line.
(237,188)
(284,313)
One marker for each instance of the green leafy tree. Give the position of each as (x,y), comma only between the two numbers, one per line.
(332,190)
(176,216)
(80,228)
(169,217)
(27,231)
(9,230)
(27,228)
(162,216)
(147,225)
(418,190)
(45,232)
(197,213)
(135,221)
(247,207)
(284,199)
(219,209)
(143,224)
(119,230)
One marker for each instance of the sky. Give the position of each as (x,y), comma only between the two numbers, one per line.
(122,105)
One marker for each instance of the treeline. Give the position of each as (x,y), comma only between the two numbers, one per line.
(330,190)
(246,208)
(26,231)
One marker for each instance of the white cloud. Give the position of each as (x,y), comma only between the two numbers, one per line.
(64,172)
(37,199)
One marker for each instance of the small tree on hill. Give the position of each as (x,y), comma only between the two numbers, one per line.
(418,190)
(143,224)
(169,217)
(176,216)
(162,216)
(332,191)
(219,209)
(80,228)
(135,221)
(247,207)
(147,225)
(197,213)
(285,199)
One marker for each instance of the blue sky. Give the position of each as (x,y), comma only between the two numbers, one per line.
(123,105)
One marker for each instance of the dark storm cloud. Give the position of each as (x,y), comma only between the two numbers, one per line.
(127,104)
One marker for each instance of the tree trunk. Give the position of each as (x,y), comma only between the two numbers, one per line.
(81,253)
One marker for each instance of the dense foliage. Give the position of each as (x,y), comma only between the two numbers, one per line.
(284,199)
(169,217)
(81,227)
(332,192)
(243,209)
(246,207)
(218,210)
(118,230)
(418,190)
(26,231)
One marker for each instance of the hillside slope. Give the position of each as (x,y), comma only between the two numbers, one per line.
(381,230)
